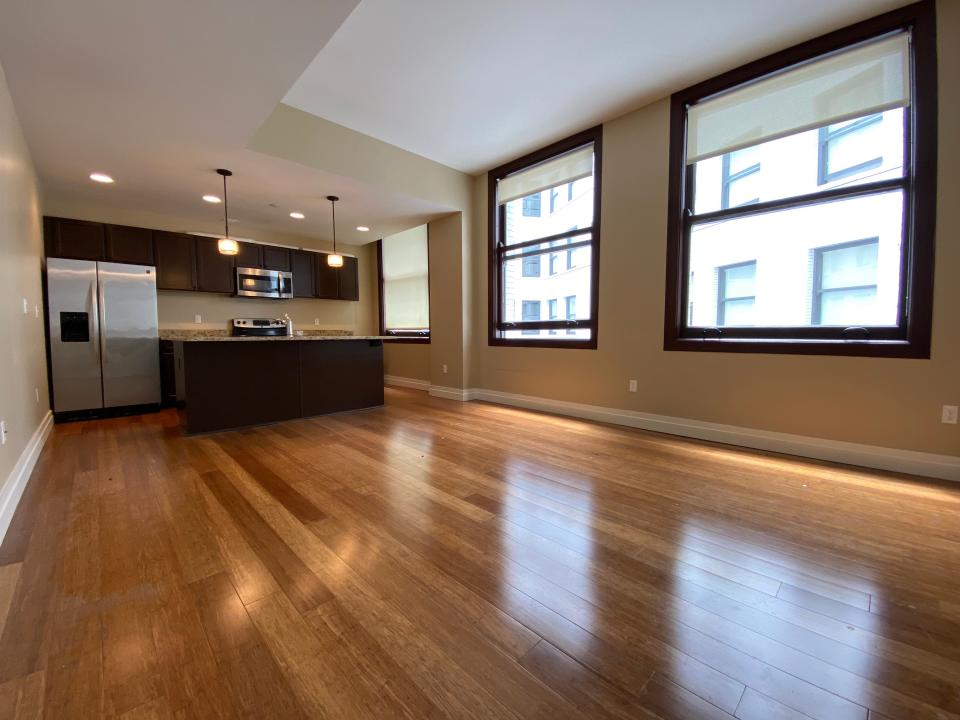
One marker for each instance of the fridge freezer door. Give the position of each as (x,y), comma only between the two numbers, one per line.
(74,334)
(129,339)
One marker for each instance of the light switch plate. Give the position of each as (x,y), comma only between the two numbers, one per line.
(3,432)
(632,387)
(197,319)
(949,415)
(26,306)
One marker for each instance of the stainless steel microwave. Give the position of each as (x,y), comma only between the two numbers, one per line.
(254,282)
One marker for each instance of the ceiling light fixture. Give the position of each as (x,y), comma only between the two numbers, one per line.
(363,228)
(211,199)
(101,178)
(335,260)
(226,245)
(297,215)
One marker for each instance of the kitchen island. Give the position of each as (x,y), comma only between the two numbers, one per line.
(226,382)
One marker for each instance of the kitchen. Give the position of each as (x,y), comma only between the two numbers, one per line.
(116,297)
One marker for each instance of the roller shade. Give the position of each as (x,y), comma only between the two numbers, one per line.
(572,166)
(406,292)
(866,79)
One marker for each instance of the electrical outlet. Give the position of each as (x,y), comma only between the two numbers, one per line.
(3,432)
(36,393)
(949,415)
(197,319)
(316,321)
(36,311)
(632,387)
(444,368)
(26,306)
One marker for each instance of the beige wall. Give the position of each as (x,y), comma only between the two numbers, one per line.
(177,309)
(22,354)
(886,402)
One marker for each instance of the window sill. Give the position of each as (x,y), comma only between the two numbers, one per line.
(401,339)
(543,343)
(850,348)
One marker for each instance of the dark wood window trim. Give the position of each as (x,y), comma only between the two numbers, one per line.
(397,336)
(495,221)
(911,338)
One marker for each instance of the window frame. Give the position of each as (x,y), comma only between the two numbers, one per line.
(722,287)
(911,337)
(399,336)
(496,218)
(826,136)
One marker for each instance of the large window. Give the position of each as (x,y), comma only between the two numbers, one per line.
(403,265)
(565,177)
(803,198)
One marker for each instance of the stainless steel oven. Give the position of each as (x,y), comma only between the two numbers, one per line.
(254,282)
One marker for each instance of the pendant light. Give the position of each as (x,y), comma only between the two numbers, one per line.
(334,260)
(226,245)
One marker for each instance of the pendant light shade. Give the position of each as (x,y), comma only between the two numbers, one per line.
(335,259)
(226,245)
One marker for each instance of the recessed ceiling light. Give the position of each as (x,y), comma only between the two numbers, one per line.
(363,228)
(101,178)
(297,215)
(211,199)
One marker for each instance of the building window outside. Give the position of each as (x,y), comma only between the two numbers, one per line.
(531,266)
(850,148)
(531,206)
(736,294)
(740,182)
(845,282)
(552,313)
(531,312)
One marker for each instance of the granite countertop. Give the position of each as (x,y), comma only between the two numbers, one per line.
(224,336)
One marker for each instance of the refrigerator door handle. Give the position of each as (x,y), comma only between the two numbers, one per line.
(102,313)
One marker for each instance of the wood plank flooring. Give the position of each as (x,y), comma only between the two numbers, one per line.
(433,559)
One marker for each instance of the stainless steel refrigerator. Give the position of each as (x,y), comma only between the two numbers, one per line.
(104,342)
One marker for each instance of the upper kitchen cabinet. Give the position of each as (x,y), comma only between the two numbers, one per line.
(337,283)
(275,258)
(76,239)
(129,245)
(176,261)
(215,271)
(250,255)
(303,266)
(349,288)
(327,280)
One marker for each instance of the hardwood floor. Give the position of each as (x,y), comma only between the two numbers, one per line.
(435,559)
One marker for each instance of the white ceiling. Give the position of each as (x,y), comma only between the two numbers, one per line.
(159,94)
(473,84)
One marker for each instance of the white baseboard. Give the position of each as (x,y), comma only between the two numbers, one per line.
(406,382)
(945,467)
(17,481)
(463,395)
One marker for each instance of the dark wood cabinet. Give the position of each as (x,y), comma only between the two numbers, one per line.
(250,256)
(349,288)
(337,283)
(215,271)
(176,260)
(303,267)
(129,245)
(76,239)
(168,374)
(326,280)
(276,258)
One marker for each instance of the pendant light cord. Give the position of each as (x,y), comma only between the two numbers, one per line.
(226,220)
(333,212)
